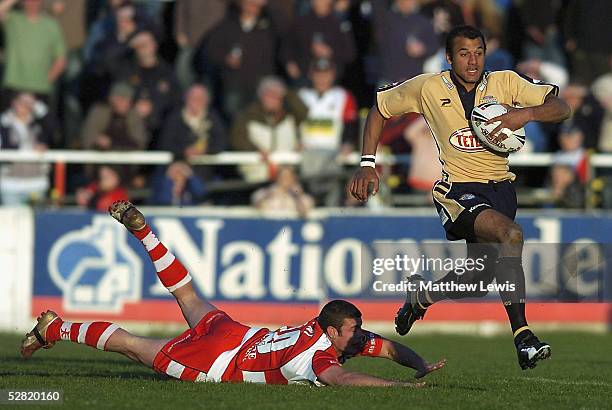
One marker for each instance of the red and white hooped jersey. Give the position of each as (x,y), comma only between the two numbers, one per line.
(220,349)
(293,354)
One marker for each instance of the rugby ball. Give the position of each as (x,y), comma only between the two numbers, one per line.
(484,112)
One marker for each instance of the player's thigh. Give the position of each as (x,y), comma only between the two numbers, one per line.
(194,307)
(145,349)
(491,226)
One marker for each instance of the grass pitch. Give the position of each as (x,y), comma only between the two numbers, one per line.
(480,373)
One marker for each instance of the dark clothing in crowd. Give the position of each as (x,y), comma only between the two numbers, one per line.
(311,28)
(177,135)
(257,48)
(394,31)
(157,84)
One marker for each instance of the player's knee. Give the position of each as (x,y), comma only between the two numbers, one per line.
(512,234)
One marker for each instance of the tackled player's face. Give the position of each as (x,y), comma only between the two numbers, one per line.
(467,60)
(350,339)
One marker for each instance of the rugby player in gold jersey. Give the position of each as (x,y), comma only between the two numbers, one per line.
(475,197)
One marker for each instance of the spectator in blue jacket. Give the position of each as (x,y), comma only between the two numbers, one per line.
(177,185)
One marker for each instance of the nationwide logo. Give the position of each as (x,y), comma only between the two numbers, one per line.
(463,140)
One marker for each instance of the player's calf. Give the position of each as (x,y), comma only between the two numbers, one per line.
(170,270)
(50,329)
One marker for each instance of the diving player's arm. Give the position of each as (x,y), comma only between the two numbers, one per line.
(365,176)
(405,356)
(337,376)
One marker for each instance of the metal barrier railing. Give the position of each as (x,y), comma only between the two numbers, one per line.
(59,159)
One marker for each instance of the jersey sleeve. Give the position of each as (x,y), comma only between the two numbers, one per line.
(527,92)
(323,360)
(372,346)
(402,97)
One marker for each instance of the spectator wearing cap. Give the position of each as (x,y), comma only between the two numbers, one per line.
(331,127)
(268,125)
(243,50)
(115,124)
(316,35)
(35,52)
(24,127)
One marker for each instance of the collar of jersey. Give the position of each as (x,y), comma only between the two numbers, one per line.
(482,79)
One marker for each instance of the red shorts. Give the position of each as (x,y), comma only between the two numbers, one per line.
(191,355)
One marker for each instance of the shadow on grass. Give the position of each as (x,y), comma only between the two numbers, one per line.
(76,366)
(65,361)
(98,374)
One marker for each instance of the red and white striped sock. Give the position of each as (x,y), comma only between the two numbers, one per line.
(170,270)
(94,334)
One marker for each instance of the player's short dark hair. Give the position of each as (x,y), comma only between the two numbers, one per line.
(334,313)
(465,32)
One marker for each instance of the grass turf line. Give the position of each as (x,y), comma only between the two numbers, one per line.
(480,373)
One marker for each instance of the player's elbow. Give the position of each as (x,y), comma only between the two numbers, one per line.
(566,111)
(336,376)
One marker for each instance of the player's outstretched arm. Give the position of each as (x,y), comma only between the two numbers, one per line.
(364,176)
(407,357)
(337,376)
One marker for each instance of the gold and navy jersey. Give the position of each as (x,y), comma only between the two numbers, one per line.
(447,105)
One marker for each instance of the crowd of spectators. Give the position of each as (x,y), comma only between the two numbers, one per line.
(197,77)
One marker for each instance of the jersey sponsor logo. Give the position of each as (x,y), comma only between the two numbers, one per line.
(445,102)
(488,99)
(467,197)
(465,141)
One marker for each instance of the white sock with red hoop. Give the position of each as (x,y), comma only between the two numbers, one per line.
(94,334)
(170,270)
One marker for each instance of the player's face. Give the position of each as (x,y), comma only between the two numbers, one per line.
(350,338)
(467,61)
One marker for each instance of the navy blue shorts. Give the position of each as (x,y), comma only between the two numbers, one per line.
(459,203)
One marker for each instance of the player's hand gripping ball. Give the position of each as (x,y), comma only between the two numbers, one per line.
(513,141)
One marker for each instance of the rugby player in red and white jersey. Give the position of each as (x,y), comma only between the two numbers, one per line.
(218,349)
